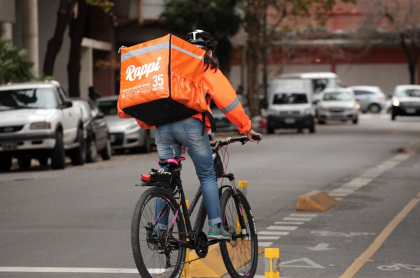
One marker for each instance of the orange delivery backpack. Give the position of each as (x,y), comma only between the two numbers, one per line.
(162,81)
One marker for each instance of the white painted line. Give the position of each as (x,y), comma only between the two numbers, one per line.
(288,223)
(268,237)
(337,194)
(284,228)
(339,198)
(355,186)
(273,233)
(303,215)
(264,244)
(344,190)
(297,219)
(76,270)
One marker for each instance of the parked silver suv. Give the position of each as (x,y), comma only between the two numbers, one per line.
(370,98)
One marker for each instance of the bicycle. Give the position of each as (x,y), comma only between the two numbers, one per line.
(160,253)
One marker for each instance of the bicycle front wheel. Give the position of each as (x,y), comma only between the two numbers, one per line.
(156,229)
(240,255)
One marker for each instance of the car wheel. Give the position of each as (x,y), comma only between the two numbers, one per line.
(374,108)
(78,155)
(356,120)
(107,152)
(91,151)
(270,130)
(312,129)
(393,116)
(5,161)
(43,161)
(24,162)
(58,157)
(146,144)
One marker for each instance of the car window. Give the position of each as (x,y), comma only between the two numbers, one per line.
(290,98)
(362,93)
(93,109)
(337,96)
(408,93)
(320,84)
(62,94)
(108,107)
(83,107)
(27,99)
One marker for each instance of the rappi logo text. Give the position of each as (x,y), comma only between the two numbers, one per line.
(134,72)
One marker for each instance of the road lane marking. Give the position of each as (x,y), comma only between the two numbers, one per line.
(377,243)
(339,198)
(303,215)
(399,266)
(320,247)
(268,237)
(289,223)
(336,194)
(308,263)
(285,228)
(264,244)
(273,233)
(343,190)
(70,270)
(297,219)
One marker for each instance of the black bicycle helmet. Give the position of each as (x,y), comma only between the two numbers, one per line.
(201,39)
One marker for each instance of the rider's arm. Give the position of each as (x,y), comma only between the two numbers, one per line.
(225,98)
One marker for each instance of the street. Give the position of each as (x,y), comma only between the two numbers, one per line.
(79,218)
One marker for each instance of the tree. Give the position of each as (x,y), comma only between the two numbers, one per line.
(287,15)
(395,22)
(64,16)
(77,27)
(14,64)
(218,17)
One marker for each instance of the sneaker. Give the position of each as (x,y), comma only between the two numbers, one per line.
(216,232)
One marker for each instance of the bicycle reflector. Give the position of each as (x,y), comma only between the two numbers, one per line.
(146,177)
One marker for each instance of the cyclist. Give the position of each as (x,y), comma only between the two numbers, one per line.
(171,138)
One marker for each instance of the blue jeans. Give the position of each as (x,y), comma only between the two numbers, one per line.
(169,138)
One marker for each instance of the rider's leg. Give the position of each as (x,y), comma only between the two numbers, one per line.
(167,147)
(188,133)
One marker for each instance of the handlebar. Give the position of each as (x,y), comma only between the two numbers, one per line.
(242,139)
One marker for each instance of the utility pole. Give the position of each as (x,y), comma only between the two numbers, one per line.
(30,32)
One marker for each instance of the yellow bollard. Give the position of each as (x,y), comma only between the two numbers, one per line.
(243,185)
(272,262)
(186,269)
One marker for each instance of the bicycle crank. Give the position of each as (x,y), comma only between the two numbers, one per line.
(200,244)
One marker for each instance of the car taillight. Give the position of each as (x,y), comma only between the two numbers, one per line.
(381,97)
(146,177)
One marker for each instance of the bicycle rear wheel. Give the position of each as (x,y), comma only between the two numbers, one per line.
(240,255)
(157,253)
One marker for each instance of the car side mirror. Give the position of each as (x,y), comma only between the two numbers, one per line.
(100,115)
(67,104)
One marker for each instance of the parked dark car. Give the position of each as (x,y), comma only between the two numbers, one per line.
(95,131)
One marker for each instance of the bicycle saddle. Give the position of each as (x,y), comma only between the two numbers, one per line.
(171,161)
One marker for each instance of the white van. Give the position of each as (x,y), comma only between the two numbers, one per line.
(290,105)
(320,81)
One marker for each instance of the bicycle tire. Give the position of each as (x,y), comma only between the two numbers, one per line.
(240,256)
(152,264)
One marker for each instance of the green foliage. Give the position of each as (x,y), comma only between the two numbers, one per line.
(106,5)
(14,64)
(218,17)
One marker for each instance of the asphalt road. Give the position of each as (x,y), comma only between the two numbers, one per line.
(79,218)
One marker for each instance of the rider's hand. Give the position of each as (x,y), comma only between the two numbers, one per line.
(251,133)
(182,150)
